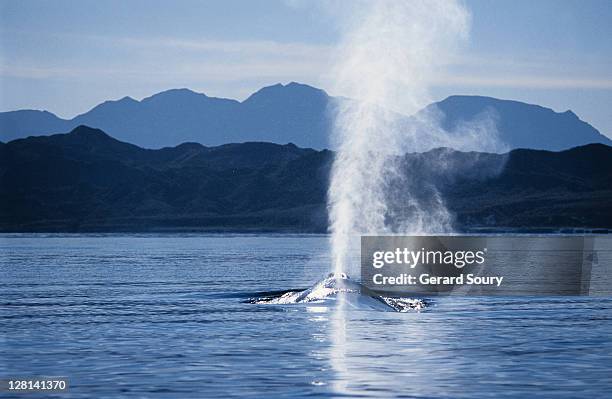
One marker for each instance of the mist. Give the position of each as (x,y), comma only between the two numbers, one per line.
(386,62)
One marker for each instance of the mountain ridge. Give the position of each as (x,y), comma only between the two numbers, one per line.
(293,112)
(524,120)
(86,180)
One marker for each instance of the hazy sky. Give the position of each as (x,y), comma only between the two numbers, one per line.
(67,56)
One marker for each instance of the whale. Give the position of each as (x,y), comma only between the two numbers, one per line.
(339,286)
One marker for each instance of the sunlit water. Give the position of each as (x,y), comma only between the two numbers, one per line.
(168,316)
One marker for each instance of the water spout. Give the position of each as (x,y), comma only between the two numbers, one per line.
(386,62)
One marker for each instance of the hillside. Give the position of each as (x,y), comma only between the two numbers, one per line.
(279,114)
(292,113)
(88,181)
(521,125)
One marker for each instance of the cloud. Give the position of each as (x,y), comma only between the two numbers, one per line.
(212,61)
(243,47)
(525,81)
(172,59)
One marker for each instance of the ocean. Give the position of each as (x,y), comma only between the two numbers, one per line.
(171,315)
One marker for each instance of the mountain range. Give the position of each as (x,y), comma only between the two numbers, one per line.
(291,113)
(86,180)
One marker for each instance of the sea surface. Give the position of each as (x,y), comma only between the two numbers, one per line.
(168,316)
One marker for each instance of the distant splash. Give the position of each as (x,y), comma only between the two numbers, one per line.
(340,285)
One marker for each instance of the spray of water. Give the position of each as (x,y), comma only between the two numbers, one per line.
(390,55)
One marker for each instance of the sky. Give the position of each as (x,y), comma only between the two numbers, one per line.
(68,56)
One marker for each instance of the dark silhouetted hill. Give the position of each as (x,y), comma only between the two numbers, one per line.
(86,180)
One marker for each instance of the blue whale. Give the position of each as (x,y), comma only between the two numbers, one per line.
(351,292)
